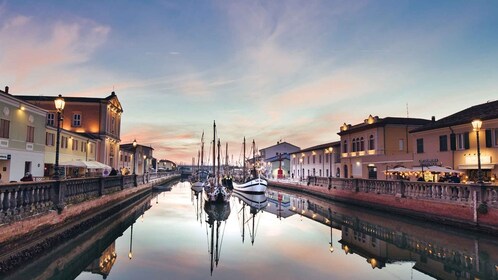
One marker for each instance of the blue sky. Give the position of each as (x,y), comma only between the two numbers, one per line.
(266,70)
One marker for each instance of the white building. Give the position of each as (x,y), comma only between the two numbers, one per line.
(321,160)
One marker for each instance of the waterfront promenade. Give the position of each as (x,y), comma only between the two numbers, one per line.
(36,207)
(462,205)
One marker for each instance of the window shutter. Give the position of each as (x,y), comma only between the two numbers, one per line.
(489,142)
(453,141)
(466,140)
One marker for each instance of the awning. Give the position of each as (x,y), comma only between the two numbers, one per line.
(474,166)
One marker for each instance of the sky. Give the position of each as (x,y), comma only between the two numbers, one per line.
(271,71)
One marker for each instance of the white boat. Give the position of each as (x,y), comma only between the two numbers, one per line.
(255,183)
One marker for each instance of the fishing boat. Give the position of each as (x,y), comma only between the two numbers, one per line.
(201,177)
(255,203)
(214,191)
(255,183)
(216,214)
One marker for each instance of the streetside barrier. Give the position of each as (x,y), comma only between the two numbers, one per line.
(21,200)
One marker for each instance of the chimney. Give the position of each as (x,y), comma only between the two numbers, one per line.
(433,119)
(6,89)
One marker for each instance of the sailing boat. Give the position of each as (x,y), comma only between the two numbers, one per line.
(214,190)
(255,183)
(216,214)
(202,175)
(256,203)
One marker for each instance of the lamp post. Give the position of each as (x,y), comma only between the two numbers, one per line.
(145,162)
(134,154)
(476,124)
(59,105)
(130,252)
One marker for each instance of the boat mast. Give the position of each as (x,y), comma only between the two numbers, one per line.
(219,161)
(244,159)
(202,149)
(254,157)
(226,160)
(214,149)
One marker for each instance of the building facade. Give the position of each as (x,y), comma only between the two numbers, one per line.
(321,160)
(136,160)
(100,117)
(22,138)
(452,142)
(376,145)
(278,149)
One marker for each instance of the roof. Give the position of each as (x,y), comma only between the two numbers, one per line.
(284,156)
(485,111)
(129,146)
(42,98)
(281,143)
(373,122)
(319,147)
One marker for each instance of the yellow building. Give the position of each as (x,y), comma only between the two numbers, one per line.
(375,145)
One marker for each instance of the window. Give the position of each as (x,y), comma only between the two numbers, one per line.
(462,141)
(83,147)
(443,143)
(362,144)
(49,139)
(420,145)
(308,160)
(320,159)
(4,128)
(91,148)
(353,145)
(75,144)
(51,119)
(76,119)
(371,143)
(345,146)
(113,125)
(496,136)
(30,136)
(314,157)
(63,142)
(401,144)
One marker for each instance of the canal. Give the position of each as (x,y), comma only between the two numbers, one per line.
(173,235)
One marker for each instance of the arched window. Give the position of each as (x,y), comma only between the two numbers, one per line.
(354,145)
(362,144)
(371,143)
(357,144)
(345,146)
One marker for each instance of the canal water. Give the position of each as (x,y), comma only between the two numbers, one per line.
(174,235)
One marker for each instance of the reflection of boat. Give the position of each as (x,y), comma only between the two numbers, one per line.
(256,203)
(216,214)
(197,192)
(255,183)
(214,190)
(163,188)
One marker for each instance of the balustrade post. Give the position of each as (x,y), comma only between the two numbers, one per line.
(135,183)
(122,182)
(57,195)
(355,185)
(101,186)
(400,189)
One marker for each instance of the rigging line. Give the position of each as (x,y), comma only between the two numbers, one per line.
(222,236)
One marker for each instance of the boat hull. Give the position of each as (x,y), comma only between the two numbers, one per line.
(257,185)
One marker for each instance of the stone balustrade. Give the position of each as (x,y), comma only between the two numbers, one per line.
(20,200)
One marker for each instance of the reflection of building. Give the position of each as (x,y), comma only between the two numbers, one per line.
(321,160)
(370,147)
(279,204)
(451,141)
(166,165)
(100,117)
(144,160)
(103,264)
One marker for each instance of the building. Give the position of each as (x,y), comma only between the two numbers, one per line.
(136,160)
(166,165)
(452,142)
(278,149)
(100,117)
(321,160)
(278,166)
(375,145)
(22,138)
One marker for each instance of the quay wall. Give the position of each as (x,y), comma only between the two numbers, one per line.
(466,206)
(26,221)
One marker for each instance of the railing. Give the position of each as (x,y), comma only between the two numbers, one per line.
(20,200)
(444,192)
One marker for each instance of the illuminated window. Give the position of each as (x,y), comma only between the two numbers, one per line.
(76,119)
(75,145)
(49,139)
(371,143)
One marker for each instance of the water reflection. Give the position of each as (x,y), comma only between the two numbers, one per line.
(255,203)
(216,212)
(381,240)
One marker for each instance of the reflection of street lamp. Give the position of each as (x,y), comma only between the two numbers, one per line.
(301,171)
(134,154)
(476,124)
(145,158)
(59,105)
(130,255)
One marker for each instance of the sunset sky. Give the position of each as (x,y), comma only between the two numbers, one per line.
(267,70)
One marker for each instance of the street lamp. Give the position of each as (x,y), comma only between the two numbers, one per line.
(145,162)
(476,124)
(134,154)
(59,105)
